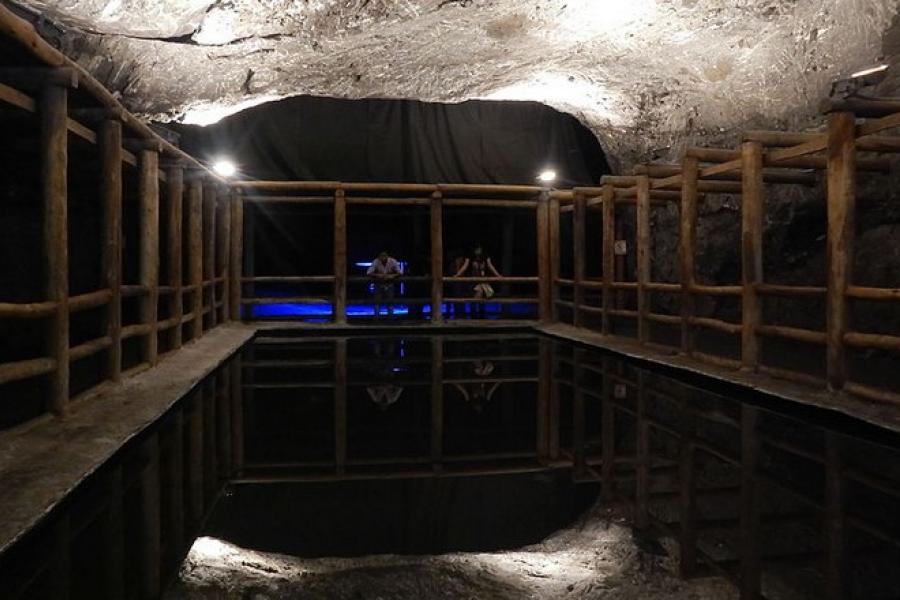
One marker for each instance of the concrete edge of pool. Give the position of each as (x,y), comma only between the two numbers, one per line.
(42,463)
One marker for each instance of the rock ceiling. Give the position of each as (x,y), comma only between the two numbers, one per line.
(646,76)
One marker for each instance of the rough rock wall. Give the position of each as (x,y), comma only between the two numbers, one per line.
(646,76)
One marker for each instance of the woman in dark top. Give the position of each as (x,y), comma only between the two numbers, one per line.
(479,265)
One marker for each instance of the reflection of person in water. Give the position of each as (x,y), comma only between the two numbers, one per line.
(384,392)
(479,393)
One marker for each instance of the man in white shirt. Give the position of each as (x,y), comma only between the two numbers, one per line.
(383,271)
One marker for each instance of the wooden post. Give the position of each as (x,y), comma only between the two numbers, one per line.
(114,537)
(175,199)
(52,112)
(579,219)
(437,402)
(545,390)
(236,261)
(151,573)
(553,414)
(148,199)
(752,212)
(835,497)
(543,256)
(554,259)
(174,491)
(841,216)
(195,451)
(237,415)
(643,257)
(620,263)
(609,254)
(340,257)
(687,495)
(340,406)
(437,258)
(248,243)
(223,423)
(579,455)
(209,249)
(210,454)
(642,468)
(223,253)
(109,141)
(686,246)
(607,433)
(195,232)
(750,504)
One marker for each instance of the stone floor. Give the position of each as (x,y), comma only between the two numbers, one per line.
(598,557)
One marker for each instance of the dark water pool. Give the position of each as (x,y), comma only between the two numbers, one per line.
(320,446)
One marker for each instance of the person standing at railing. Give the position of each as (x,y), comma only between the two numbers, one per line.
(479,265)
(384,271)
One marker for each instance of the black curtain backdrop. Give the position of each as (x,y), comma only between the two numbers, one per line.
(313,138)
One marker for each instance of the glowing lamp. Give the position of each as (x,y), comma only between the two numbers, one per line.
(225,168)
(547,176)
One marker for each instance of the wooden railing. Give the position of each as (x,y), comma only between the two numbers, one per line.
(436,198)
(764,158)
(38,80)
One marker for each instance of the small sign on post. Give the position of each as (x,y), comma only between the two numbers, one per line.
(620,248)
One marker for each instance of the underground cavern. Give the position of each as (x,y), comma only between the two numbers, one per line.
(449,299)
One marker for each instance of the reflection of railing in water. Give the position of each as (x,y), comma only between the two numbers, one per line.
(662,448)
(750,554)
(124,531)
(441,464)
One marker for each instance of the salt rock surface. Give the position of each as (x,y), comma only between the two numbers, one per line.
(596,558)
(648,77)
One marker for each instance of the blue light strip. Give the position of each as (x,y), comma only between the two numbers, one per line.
(368,310)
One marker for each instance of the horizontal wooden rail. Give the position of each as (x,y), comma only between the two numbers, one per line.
(792,333)
(25,369)
(769,289)
(716,290)
(137,329)
(422,188)
(871,293)
(286,300)
(872,340)
(88,301)
(872,393)
(400,301)
(526,279)
(31,310)
(494,300)
(667,319)
(89,348)
(716,324)
(657,286)
(400,279)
